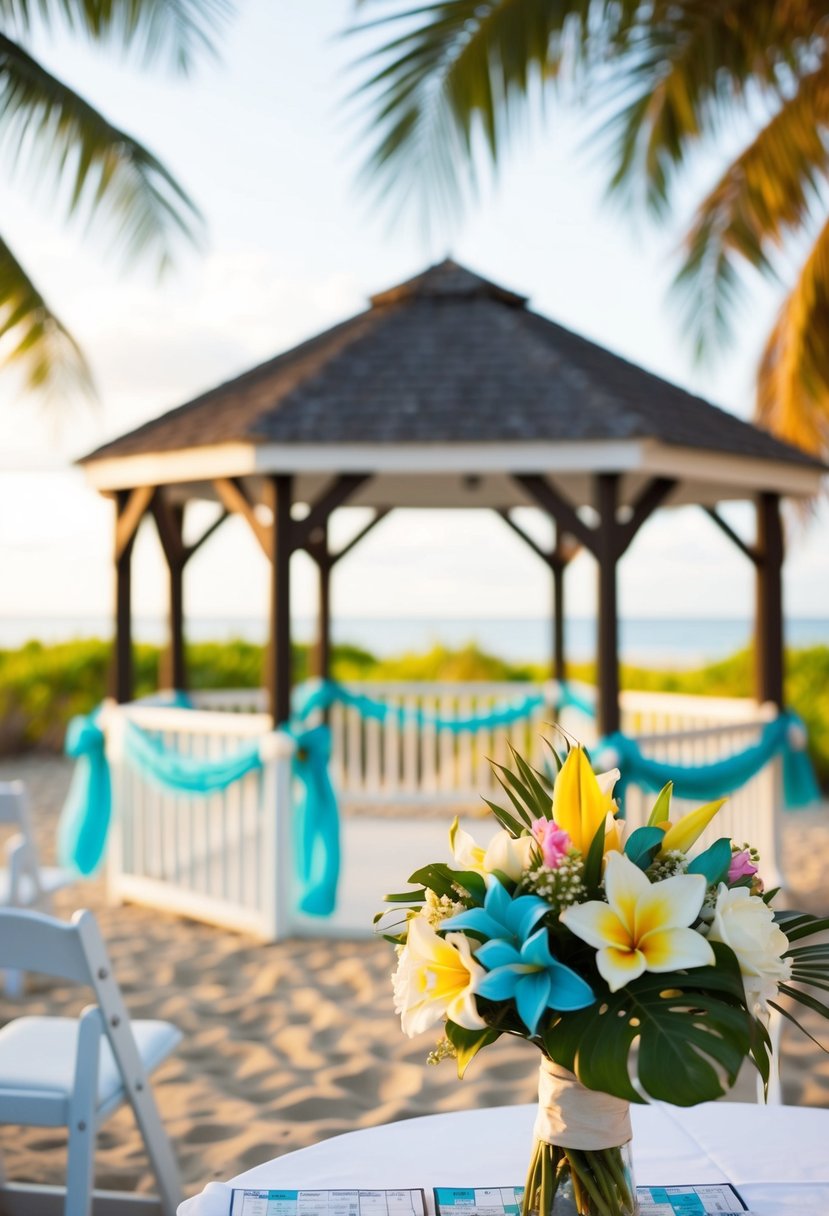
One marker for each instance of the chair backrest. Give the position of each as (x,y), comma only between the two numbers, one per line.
(13,807)
(33,941)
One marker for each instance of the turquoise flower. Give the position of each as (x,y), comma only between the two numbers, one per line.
(519,963)
(532,978)
(502,917)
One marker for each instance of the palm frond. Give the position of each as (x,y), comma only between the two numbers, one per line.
(450,71)
(175,30)
(769,191)
(49,128)
(33,339)
(685,64)
(793,376)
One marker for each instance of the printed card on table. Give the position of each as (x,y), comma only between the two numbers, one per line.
(718,1199)
(345,1202)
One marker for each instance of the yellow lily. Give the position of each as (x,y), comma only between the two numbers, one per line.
(436,977)
(687,830)
(643,926)
(582,801)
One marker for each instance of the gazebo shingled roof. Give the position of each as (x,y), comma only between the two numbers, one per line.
(448,391)
(449,357)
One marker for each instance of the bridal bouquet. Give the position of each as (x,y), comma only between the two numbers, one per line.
(640,967)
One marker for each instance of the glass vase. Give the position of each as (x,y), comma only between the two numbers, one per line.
(581,1160)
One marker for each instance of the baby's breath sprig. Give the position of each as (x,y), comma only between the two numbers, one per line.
(560,887)
(443,1050)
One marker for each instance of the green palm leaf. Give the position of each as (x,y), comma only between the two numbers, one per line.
(177,30)
(33,337)
(452,70)
(109,174)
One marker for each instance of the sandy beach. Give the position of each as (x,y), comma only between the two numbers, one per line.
(287,1044)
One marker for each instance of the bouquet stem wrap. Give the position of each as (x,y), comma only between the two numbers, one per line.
(581,1160)
(574,1117)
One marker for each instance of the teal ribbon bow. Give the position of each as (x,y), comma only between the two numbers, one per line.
(84,820)
(317,850)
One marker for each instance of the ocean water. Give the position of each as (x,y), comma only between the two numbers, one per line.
(647,641)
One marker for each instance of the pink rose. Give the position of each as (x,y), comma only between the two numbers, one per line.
(555,842)
(741,866)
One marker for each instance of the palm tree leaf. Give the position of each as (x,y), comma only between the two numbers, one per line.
(33,338)
(178,30)
(451,70)
(793,376)
(768,191)
(109,174)
(682,65)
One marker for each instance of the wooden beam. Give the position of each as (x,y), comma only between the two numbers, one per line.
(750,551)
(337,493)
(652,496)
(607,486)
(132,507)
(189,550)
(563,512)
(545,554)
(768,647)
(234,498)
(559,659)
(379,514)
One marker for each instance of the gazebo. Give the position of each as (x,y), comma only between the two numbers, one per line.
(448,391)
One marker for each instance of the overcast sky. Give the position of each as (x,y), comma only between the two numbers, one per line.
(261,140)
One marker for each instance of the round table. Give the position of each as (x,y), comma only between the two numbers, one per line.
(776,1156)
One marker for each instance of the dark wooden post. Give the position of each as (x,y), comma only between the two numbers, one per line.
(768,644)
(174,673)
(323,650)
(558,568)
(608,627)
(280,675)
(122,668)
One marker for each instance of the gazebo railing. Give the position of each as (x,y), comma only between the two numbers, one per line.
(226,857)
(222,857)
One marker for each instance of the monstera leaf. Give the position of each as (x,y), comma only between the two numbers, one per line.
(691,1029)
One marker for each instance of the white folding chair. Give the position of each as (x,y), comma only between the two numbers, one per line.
(24,882)
(74,1072)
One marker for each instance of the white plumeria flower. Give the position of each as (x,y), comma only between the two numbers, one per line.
(436,977)
(643,926)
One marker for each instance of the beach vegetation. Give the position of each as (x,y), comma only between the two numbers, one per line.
(43,685)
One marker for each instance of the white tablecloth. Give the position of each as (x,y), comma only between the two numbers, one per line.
(776,1156)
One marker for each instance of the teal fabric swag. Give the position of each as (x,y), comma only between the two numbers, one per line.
(85,819)
(329,692)
(784,736)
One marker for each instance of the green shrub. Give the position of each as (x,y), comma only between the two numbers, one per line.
(43,686)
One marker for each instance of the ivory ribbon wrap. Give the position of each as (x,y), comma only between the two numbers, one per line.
(571,1116)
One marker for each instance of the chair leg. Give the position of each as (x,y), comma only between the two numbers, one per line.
(80,1163)
(159,1148)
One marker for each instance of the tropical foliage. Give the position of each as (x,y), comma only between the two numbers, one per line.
(642,964)
(443,84)
(100,174)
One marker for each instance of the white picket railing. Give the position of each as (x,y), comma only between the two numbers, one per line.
(226,857)
(222,857)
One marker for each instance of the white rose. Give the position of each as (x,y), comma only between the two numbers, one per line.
(746,924)
(504,853)
(508,855)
